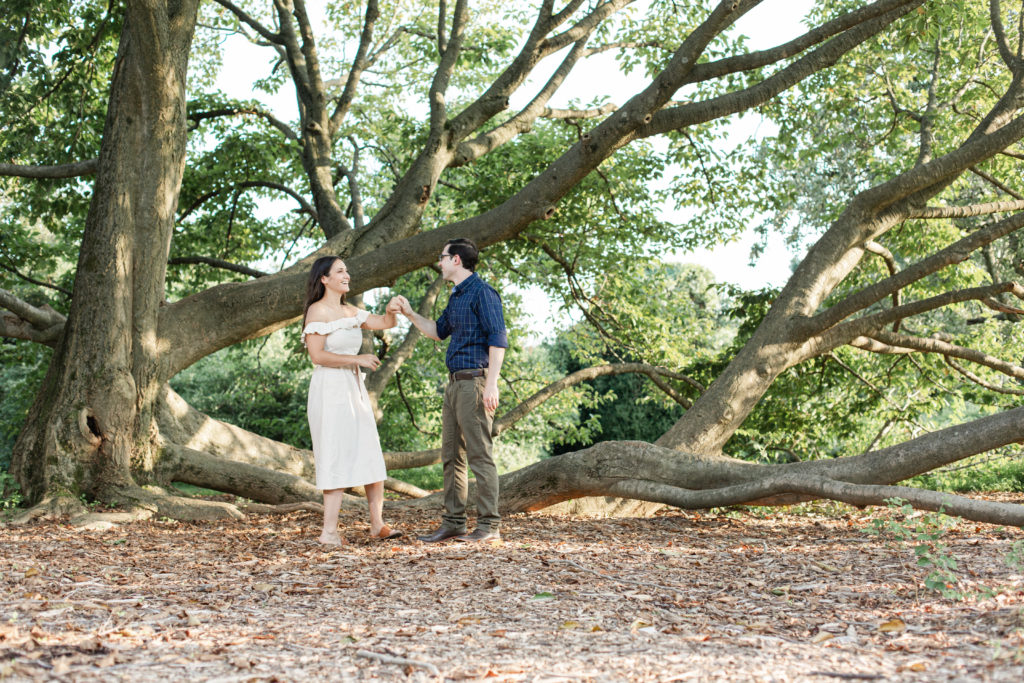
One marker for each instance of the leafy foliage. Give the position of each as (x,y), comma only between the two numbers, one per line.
(22,366)
(656,313)
(259,385)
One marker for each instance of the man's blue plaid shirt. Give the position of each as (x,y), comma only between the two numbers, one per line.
(474,320)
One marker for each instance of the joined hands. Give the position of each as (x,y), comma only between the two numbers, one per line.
(399,304)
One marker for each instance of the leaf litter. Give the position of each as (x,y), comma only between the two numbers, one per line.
(680,596)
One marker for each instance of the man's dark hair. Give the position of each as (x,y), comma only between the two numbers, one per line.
(467,251)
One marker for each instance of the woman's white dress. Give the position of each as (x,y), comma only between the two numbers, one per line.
(346,447)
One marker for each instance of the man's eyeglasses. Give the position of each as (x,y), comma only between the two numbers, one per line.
(441,257)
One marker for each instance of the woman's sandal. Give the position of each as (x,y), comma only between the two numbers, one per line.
(386,533)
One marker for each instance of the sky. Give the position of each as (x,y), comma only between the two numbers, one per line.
(771,23)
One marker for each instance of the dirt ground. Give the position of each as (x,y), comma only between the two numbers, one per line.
(798,596)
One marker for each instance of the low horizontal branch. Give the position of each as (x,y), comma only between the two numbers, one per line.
(405,460)
(860,495)
(405,488)
(71,170)
(249,481)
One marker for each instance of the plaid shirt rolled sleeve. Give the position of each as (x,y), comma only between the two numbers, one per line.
(474,320)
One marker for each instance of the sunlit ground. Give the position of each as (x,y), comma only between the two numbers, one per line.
(804,595)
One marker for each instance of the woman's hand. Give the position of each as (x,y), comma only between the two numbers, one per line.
(368,361)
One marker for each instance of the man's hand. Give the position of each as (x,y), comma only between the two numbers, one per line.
(395,305)
(490,398)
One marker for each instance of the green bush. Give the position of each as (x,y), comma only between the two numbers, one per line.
(22,368)
(999,471)
(10,492)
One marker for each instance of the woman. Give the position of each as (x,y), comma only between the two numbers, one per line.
(346,447)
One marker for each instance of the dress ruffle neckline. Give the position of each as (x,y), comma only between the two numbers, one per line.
(345,323)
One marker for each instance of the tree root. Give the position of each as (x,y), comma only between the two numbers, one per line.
(50,507)
(98,521)
(261,508)
(405,488)
(162,504)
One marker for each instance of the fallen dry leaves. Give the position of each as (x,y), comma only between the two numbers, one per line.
(681,596)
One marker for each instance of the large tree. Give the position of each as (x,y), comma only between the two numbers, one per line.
(106,424)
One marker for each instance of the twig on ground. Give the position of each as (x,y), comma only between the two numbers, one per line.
(401,661)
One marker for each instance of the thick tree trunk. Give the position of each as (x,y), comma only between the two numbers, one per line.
(92,428)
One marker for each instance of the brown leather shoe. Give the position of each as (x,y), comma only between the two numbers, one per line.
(480,535)
(442,533)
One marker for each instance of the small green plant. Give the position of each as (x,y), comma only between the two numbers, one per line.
(10,492)
(1015,558)
(924,531)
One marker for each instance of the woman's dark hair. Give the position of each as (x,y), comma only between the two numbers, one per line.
(466,250)
(315,289)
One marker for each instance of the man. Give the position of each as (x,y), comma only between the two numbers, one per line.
(474,321)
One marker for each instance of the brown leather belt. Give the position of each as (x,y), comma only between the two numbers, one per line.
(466,374)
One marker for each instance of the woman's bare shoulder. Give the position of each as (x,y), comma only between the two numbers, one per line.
(318,313)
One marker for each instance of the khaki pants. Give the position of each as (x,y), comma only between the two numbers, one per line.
(466,437)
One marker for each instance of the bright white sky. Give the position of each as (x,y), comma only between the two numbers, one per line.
(772,23)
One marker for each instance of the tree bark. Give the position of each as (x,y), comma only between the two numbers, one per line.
(92,427)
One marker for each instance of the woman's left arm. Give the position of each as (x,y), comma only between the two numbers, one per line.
(380,322)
